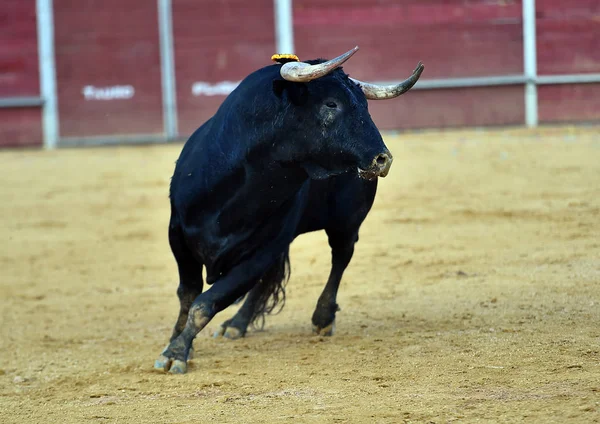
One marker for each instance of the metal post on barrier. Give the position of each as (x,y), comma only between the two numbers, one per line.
(530,63)
(167,65)
(47,70)
(284,26)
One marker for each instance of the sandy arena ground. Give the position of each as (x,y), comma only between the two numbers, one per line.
(473,295)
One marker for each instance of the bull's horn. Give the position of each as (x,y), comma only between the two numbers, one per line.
(382,92)
(304,72)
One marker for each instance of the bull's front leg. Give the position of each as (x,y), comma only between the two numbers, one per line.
(342,249)
(222,294)
(174,358)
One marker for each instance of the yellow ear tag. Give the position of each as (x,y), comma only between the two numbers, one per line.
(284,58)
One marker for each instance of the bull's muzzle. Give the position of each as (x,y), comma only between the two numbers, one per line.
(380,166)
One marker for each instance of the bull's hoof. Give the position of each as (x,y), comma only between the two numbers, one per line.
(233,333)
(178,367)
(229,332)
(163,363)
(325,331)
(172,366)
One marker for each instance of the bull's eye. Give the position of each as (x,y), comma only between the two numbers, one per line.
(331,105)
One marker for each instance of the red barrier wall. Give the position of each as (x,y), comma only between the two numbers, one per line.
(108,67)
(109,75)
(568,41)
(19,73)
(453,38)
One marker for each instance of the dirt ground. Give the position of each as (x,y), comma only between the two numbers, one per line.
(473,295)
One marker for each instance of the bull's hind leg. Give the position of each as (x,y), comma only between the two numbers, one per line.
(236,327)
(342,249)
(190,283)
(264,297)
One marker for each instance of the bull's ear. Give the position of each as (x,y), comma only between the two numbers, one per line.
(295,92)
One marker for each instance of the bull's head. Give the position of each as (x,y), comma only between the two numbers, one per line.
(333,115)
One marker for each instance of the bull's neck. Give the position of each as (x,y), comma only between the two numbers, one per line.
(272,175)
(275,182)
(268,189)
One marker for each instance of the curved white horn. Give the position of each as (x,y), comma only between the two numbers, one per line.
(304,72)
(383,92)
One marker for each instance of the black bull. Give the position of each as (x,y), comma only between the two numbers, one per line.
(291,150)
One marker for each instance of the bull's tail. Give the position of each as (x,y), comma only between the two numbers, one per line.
(272,295)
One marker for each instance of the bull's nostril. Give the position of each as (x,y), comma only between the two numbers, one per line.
(381,160)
